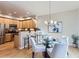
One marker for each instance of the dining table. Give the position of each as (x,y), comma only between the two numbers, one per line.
(49,44)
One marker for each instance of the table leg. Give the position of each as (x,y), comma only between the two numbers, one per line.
(45,54)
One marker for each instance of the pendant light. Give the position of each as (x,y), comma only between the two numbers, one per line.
(51,21)
(49,16)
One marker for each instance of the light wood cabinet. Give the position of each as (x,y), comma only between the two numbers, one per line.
(20,24)
(8,37)
(16,41)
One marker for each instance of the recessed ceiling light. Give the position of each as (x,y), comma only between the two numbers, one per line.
(14,12)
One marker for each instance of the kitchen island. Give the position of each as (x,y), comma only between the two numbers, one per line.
(21,40)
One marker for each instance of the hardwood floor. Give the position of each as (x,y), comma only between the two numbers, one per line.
(73,52)
(7,50)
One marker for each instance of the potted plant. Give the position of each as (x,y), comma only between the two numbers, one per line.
(75,40)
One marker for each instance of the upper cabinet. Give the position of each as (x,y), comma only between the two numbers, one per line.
(20,24)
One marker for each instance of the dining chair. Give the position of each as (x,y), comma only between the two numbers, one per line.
(31,34)
(60,49)
(36,47)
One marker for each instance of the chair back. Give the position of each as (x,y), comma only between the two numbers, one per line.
(33,43)
(60,49)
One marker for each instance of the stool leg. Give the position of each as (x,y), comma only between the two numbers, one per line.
(33,54)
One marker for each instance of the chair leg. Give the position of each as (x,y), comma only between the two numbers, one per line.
(45,54)
(33,54)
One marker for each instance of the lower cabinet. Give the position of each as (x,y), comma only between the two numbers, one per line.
(8,37)
(16,41)
(21,40)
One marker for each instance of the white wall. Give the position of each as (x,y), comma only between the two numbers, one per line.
(69,20)
(77,22)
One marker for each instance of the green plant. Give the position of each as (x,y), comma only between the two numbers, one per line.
(75,39)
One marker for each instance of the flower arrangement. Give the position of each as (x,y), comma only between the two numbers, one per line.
(75,39)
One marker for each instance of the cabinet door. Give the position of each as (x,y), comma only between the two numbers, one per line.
(8,37)
(16,41)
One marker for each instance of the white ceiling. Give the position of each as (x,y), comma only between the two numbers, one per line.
(23,8)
